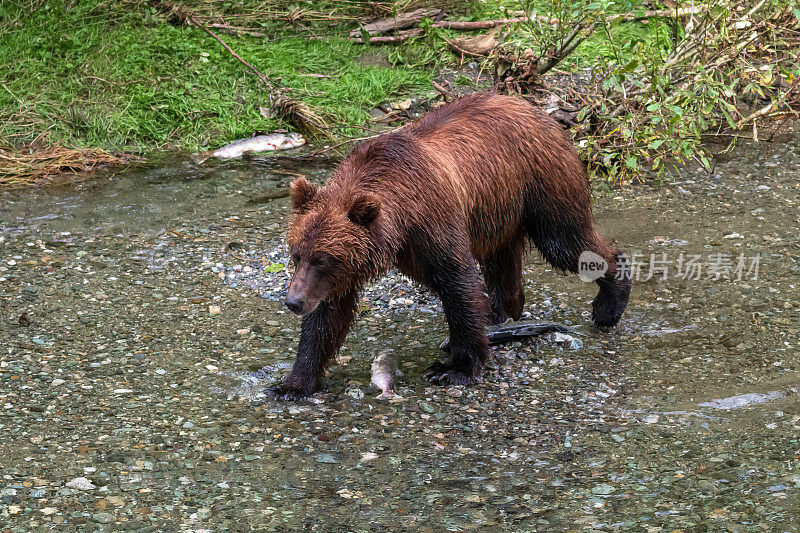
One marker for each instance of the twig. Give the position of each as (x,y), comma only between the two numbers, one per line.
(255,71)
(567,47)
(348,141)
(446,93)
(286,173)
(15,96)
(179,234)
(755,8)
(777,129)
(338,145)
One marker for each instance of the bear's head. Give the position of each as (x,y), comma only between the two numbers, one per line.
(330,243)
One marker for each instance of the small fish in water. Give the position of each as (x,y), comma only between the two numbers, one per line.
(252,145)
(385,372)
(514,331)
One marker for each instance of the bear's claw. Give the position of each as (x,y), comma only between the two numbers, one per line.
(610,303)
(285,394)
(442,374)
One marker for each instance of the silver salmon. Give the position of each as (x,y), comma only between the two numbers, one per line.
(385,372)
(515,331)
(252,145)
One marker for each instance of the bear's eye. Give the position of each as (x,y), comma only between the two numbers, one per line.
(321,260)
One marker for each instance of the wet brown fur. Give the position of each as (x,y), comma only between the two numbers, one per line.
(473,180)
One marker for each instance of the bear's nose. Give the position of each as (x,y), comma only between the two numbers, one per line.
(295,304)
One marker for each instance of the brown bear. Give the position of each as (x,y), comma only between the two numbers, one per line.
(471,181)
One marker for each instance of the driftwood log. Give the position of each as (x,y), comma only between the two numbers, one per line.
(399,22)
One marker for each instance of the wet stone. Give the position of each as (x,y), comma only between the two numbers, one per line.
(103,518)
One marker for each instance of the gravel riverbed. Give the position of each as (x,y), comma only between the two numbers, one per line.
(140,318)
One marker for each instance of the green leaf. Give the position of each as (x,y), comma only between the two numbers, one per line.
(274,267)
(631,66)
(731,123)
(705,162)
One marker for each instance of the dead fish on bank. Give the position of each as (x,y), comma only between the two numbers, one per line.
(514,331)
(252,145)
(385,372)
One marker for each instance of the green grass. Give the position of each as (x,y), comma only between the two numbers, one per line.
(117,75)
(118,79)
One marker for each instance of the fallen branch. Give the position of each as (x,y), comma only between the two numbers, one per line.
(404,35)
(476,24)
(658,13)
(768,109)
(405,20)
(399,22)
(389,39)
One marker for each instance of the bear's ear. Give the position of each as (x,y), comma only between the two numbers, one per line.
(302,192)
(365,209)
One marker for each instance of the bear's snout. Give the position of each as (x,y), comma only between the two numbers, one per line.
(295,303)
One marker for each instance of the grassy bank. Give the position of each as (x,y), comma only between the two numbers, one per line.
(138,76)
(120,76)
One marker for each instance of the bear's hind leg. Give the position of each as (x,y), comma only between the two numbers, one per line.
(502,272)
(562,233)
(615,290)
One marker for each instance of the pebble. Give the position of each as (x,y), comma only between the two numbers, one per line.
(103,518)
(603,488)
(427,407)
(81,483)
(355,393)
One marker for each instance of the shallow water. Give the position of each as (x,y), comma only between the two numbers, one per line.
(138,326)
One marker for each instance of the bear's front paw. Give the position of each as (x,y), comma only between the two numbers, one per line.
(288,394)
(441,374)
